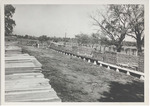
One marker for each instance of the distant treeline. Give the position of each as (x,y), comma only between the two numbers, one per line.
(44,38)
(80,39)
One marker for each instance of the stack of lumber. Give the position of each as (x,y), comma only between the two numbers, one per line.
(24,81)
(13,50)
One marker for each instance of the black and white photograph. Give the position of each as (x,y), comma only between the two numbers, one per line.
(66,53)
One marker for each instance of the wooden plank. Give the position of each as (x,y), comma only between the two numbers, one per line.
(19,57)
(19,65)
(9,55)
(36,63)
(18,61)
(26,81)
(30,96)
(46,100)
(13,52)
(12,47)
(29,91)
(22,59)
(25,84)
(23,76)
(9,71)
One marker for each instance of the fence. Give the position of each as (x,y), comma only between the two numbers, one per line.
(105,55)
(123,60)
(107,65)
(141,62)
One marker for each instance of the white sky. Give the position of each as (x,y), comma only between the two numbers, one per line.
(55,20)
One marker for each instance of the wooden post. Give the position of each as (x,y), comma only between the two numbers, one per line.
(38,45)
(136,53)
(142,77)
(108,67)
(100,64)
(117,70)
(128,73)
(84,59)
(94,63)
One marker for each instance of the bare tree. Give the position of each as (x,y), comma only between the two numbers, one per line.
(122,20)
(114,24)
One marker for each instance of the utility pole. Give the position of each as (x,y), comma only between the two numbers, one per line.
(65,34)
(65,39)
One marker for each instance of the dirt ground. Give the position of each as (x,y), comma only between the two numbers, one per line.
(75,80)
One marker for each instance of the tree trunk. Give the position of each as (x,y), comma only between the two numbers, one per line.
(139,44)
(119,48)
(119,43)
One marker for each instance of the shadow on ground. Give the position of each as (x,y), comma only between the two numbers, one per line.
(130,92)
(78,81)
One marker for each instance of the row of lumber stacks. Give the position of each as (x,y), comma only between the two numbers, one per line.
(24,81)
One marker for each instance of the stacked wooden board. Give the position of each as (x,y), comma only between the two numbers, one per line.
(24,81)
(13,50)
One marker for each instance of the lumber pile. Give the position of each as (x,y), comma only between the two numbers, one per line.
(24,81)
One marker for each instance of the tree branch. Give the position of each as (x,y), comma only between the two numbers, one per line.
(120,18)
(131,36)
(101,26)
(142,31)
(109,23)
(142,40)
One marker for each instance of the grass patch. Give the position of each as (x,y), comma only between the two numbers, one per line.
(75,80)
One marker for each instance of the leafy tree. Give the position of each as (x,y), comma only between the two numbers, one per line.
(65,39)
(135,14)
(26,36)
(95,37)
(106,41)
(43,38)
(82,39)
(9,22)
(55,39)
(77,37)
